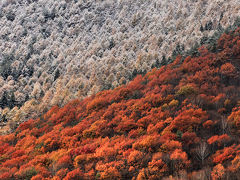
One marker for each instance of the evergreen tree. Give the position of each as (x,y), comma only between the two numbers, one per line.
(4,100)
(209,26)
(164,61)
(201,28)
(57,74)
(12,100)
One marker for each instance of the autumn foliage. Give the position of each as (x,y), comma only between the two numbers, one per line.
(182,120)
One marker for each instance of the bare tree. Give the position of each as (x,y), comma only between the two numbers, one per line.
(224,125)
(202,151)
(203,174)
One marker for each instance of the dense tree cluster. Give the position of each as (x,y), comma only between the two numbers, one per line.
(52,51)
(181,121)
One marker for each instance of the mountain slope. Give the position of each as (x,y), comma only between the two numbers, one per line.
(52,52)
(181,120)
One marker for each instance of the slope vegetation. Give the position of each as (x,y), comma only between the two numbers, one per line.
(179,121)
(52,52)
